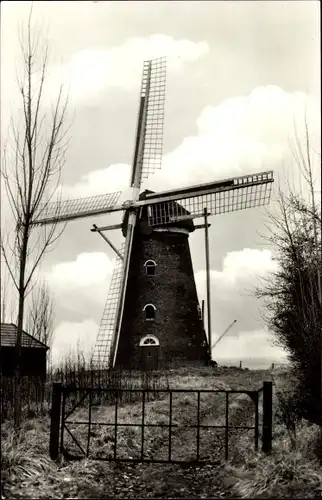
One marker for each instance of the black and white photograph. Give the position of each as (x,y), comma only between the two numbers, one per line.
(161,291)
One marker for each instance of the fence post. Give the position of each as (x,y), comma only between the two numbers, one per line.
(55,420)
(267,416)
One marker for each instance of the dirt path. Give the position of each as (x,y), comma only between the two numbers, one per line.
(174,481)
(158,481)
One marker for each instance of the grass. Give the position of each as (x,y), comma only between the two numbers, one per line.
(286,473)
(28,472)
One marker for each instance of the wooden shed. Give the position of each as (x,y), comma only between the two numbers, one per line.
(33,352)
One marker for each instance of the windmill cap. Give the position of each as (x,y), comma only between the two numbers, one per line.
(183,224)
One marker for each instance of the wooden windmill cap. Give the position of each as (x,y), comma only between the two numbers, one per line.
(182,224)
(187,224)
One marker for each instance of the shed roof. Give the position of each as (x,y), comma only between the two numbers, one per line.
(8,337)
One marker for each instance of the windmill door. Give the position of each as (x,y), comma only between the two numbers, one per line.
(149,353)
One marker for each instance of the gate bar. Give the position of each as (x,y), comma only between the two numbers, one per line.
(55,421)
(198,424)
(142,428)
(226,433)
(62,423)
(115,429)
(256,421)
(89,421)
(267,416)
(170,425)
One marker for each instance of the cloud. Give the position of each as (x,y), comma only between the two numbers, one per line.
(242,134)
(250,346)
(80,286)
(92,70)
(239,270)
(232,290)
(69,337)
(245,134)
(88,269)
(85,279)
(114,178)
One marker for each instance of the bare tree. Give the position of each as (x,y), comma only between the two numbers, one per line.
(31,169)
(6,299)
(40,322)
(292,294)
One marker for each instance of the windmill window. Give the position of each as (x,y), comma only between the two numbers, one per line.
(149,310)
(150,266)
(149,340)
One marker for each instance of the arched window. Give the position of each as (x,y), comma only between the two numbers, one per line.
(150,267)
(149,310)
(148,341)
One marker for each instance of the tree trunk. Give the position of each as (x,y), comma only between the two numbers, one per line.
(17,410)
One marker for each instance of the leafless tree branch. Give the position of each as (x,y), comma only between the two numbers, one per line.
(31,171)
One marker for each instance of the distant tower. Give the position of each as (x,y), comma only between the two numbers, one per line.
(162,324)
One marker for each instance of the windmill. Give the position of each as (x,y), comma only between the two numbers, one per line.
(152,305)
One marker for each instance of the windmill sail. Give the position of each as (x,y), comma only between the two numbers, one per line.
(147,158)
(150,126)
(62,211)
(227,196)
(103,349)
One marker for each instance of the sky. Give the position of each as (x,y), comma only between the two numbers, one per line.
(239,76)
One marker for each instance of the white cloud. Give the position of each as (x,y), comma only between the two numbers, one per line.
(248,345)
(240,274)
(87,276)
(90,71)
(239,269)
(88,269)
(231,293)
(70,336)
(245,134)
(114,178)
(241,135)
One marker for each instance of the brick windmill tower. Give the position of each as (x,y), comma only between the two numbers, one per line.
(162,323)
(152,317)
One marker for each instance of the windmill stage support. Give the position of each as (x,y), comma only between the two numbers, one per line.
(106,228)
(95,228)
(208,281)
(201,226)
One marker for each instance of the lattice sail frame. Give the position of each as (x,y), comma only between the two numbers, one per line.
(65,210)
(239,193)
(103,349)
(151,118)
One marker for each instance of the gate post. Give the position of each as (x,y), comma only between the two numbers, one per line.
(267,417)
(55,420)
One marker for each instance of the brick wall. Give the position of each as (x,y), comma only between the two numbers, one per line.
(172,291)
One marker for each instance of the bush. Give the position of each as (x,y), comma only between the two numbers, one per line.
(288,405)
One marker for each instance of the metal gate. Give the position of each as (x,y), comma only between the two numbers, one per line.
(74,421)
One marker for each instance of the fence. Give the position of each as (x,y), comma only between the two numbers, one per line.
(36,392)
(36,396)
(60,424)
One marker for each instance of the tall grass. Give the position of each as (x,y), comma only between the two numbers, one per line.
(78,374)
(292,470)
